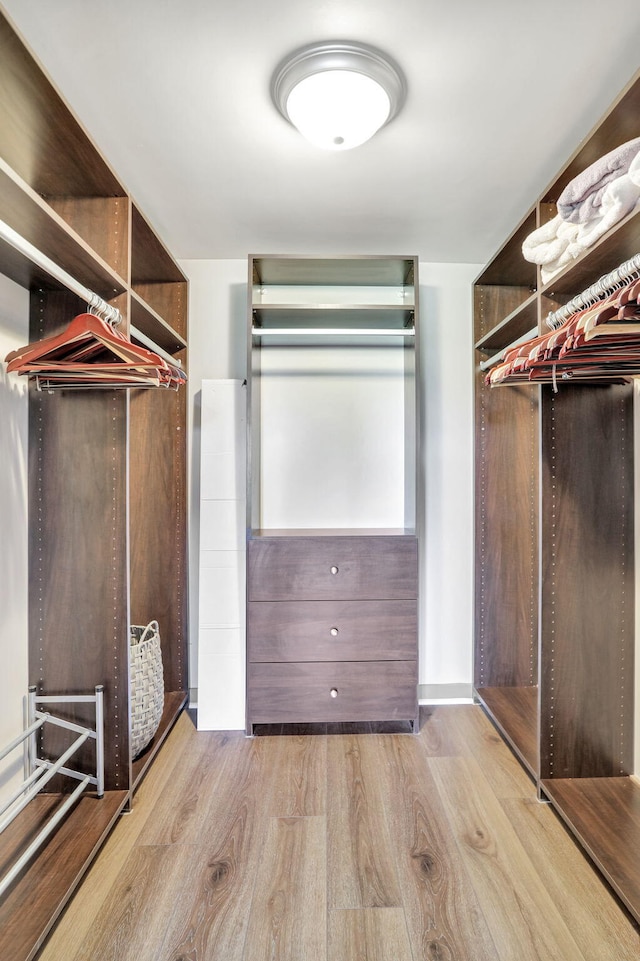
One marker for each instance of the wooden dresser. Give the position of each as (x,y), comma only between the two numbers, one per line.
(332,627)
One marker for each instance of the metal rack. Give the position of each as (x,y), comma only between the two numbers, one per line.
(39,771)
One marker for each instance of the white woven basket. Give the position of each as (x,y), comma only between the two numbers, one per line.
(147,684)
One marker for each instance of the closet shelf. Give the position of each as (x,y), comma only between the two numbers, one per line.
(174,701)
(30,216)
(154,326)
(398,317)
(604,815)
(519,322)
(334,532)
(515,711)
(621,243)
(346,271)
(508,267)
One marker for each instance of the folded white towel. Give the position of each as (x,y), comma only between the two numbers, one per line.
(546,244)
(581,199)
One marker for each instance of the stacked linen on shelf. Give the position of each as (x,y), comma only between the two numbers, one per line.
(588,206)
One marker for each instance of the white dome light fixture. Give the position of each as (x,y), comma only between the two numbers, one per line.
(338,94)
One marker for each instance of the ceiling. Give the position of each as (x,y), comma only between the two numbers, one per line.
(175,93)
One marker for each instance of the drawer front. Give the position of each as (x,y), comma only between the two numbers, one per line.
(343,691)
(332,630)
(333,568)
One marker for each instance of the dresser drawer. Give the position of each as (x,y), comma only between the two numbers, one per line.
(332,630)
(333,568)
(330,691)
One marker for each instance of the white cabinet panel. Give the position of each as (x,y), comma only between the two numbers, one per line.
(222,476)
(223,416)
(222,606)
(222,525)
(222,580)
(221,692)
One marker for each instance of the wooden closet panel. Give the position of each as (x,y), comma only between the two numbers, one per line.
(77,548)
(103,222)
(157,465)
(492,304)
(506,518)
(587,636)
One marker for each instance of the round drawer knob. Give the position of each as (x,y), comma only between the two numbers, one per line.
(333,692)
(334,632)
(334,570)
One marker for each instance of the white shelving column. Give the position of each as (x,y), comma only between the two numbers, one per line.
(221,643)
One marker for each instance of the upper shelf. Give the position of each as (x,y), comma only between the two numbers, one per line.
(333,316)
(38,223)
(35,123)
(508,267)
(59,194)
(347,271)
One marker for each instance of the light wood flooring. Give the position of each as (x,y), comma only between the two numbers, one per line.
(339,846)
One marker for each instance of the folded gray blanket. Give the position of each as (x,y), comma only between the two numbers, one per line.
(580,200)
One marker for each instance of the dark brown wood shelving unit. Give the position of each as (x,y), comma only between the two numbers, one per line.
(107,476)
(554,615)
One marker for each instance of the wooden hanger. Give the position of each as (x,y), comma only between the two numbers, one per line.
(90,352)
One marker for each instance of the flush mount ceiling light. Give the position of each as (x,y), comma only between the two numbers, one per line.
(338,94)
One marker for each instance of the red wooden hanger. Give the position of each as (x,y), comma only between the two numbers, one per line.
(90,352)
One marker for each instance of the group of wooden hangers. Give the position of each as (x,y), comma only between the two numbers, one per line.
(599,343)
(91,353)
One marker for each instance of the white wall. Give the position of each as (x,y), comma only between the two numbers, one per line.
(217,338)
(14,331)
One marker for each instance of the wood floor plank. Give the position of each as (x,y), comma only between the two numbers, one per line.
(361,867)
(65,939)
(288,918)
(300,776)
(428,827)
(79,916)
(211,911)
(370,934)
(180,811)
(134,917)
(600,925)
(501,767)
(511,894)
(443,916)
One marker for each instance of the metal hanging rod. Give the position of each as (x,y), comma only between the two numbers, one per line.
(95,303)
(627,271)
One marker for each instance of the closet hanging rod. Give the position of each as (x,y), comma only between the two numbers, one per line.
(629,270)
(111,314)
